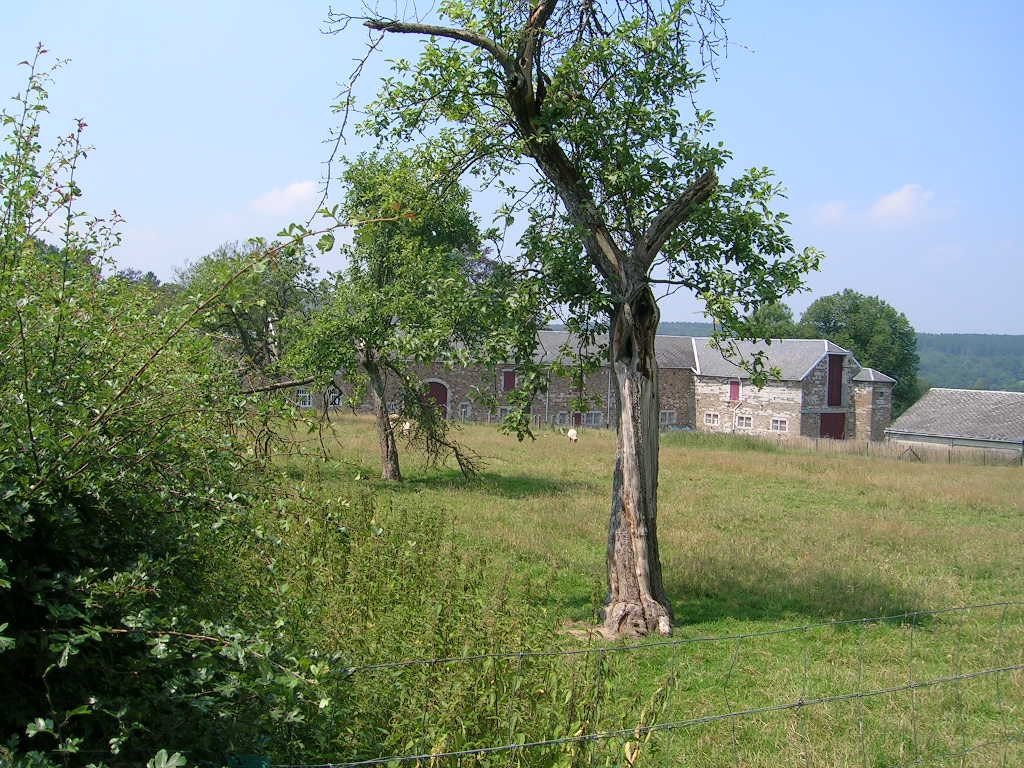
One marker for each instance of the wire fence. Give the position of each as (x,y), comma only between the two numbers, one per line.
(941,686)
(937,453)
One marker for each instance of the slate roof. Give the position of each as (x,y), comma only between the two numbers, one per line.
(672,351)
(793,357)
(870,374)
(966,413)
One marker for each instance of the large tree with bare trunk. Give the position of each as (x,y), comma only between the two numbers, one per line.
(589,96)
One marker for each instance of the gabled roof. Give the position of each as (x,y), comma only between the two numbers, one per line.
(870,374)
(793,357)
(967,413)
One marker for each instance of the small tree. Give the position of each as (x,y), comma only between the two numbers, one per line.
(253,318)
(879,336)
(416,291)
(625,196)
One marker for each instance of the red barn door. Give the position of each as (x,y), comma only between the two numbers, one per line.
(833,425)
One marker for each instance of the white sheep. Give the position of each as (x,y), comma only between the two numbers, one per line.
(573,435)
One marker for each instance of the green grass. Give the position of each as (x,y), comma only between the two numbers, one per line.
(753,540)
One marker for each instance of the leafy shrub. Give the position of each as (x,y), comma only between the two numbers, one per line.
(120,472)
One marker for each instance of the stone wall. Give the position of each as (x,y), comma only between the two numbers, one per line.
(777,401)
(554,406)
(815,397)
(872,409)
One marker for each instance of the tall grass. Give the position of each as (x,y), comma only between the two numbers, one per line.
(752,541)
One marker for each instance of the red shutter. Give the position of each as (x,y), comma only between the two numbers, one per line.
(734,390)
(508,381)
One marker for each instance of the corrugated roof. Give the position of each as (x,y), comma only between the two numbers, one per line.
(870,374)
(971,413)
(793,357)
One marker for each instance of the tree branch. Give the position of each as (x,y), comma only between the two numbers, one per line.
(465,35)
(673,215)
(279,385)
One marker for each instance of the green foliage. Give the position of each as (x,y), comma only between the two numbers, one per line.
(972,361)
(594,96)
(122,480)
(417,290)
(878,335)
(255,315)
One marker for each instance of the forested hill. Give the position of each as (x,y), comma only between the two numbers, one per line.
(972,360)
(957,360)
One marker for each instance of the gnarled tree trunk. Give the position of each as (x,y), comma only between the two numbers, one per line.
(636,603)
(390,469)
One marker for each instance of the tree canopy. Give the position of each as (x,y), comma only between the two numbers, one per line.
(879,336)
(417,289)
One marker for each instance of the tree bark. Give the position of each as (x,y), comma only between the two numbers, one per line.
(636,604)
(390,469)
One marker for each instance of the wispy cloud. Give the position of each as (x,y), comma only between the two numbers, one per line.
(292,199)
(903,205)
(832,213)
(907,205)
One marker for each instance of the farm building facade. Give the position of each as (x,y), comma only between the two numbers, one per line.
(820,390)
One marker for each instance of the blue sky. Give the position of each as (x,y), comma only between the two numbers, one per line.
(896,128)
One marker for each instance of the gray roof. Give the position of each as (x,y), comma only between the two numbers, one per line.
(793,357)
(968,413)
(870,374)
(672,351)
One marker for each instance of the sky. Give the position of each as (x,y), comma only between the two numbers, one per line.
(895,127)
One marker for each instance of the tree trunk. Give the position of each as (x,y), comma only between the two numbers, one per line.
(636,603)
(390,469)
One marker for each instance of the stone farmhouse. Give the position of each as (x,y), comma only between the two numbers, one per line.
(964,418)
(821,390)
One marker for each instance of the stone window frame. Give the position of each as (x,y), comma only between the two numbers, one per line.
(592,419)
(465,410)
(303,397)
(562,418)
(748,421)
(504,411)
(666,418)
(780,424)
(711,419)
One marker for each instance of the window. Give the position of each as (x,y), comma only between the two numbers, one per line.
(465,411)
(593,419)
(711,419)
(335,398)
(561,419)
(667,418)
(504,411)
(734,391)
(780,425)
(508,381)
(744,422)
(303,397)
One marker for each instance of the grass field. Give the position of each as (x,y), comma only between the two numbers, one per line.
(754,540)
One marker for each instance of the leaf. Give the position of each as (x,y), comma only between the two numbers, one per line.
(325,243)
(162,760)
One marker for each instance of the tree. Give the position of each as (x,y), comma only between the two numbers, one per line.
(625,194)
(774,321)
(879,336)
(417,290)
(258,309)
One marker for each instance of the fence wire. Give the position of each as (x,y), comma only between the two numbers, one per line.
(1009,732)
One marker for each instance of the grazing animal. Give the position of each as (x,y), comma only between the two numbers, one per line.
(573,435)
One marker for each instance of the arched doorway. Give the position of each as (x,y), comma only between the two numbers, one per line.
(438,392)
